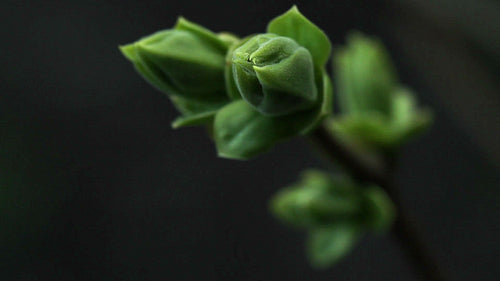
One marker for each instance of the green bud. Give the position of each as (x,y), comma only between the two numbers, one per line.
(275,75)
(186,61)
(335,211)
(318,200)
(273,83)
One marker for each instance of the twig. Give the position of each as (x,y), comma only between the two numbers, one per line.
(404,228)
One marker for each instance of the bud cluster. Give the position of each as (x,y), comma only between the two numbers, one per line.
(251,92)
(335,212)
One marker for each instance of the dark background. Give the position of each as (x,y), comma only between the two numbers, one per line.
(95,185)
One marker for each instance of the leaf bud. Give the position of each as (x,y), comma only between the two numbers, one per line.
(275,75)
(186,61)
(317,200)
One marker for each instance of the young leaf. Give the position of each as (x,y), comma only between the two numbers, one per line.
(241,132)
(275,75)
(203,33)
(327,245)
(372,129)
(294,25)
(380,210)
(317,200)
(326,104)
(195,112)
(194,120)
(186,63)
(231,87)
(407,119)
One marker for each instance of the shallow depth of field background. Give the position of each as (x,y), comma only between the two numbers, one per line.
(95,185)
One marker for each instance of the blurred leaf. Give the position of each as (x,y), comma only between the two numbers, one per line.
(317,200)
(377,112)
(380,211)
(327,245)
(335,210)
(385,132)
(365,76)
(407,120)
(369,129)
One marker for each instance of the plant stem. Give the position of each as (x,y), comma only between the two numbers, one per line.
(404,228)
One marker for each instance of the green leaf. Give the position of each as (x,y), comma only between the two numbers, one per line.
(420,122)
(187,61)
(326,104)
(317,200)
(403,107)
(407,120)
(228,38)
(378,131)
(190,66)
(195,112)
(149,74)
(327,245)
(368,129)
(380,211)
(231,87)
(219,42)
(275,75)
(194,120)
(194,106)
(129,52)
(241,132)
(294,25)
(365,75)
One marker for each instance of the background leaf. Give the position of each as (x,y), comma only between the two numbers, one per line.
(327,245)
(380,210)
(365,75)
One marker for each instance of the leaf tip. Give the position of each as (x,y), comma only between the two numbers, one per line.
(180,21)
(128,51)
(231,156)
(176,124)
